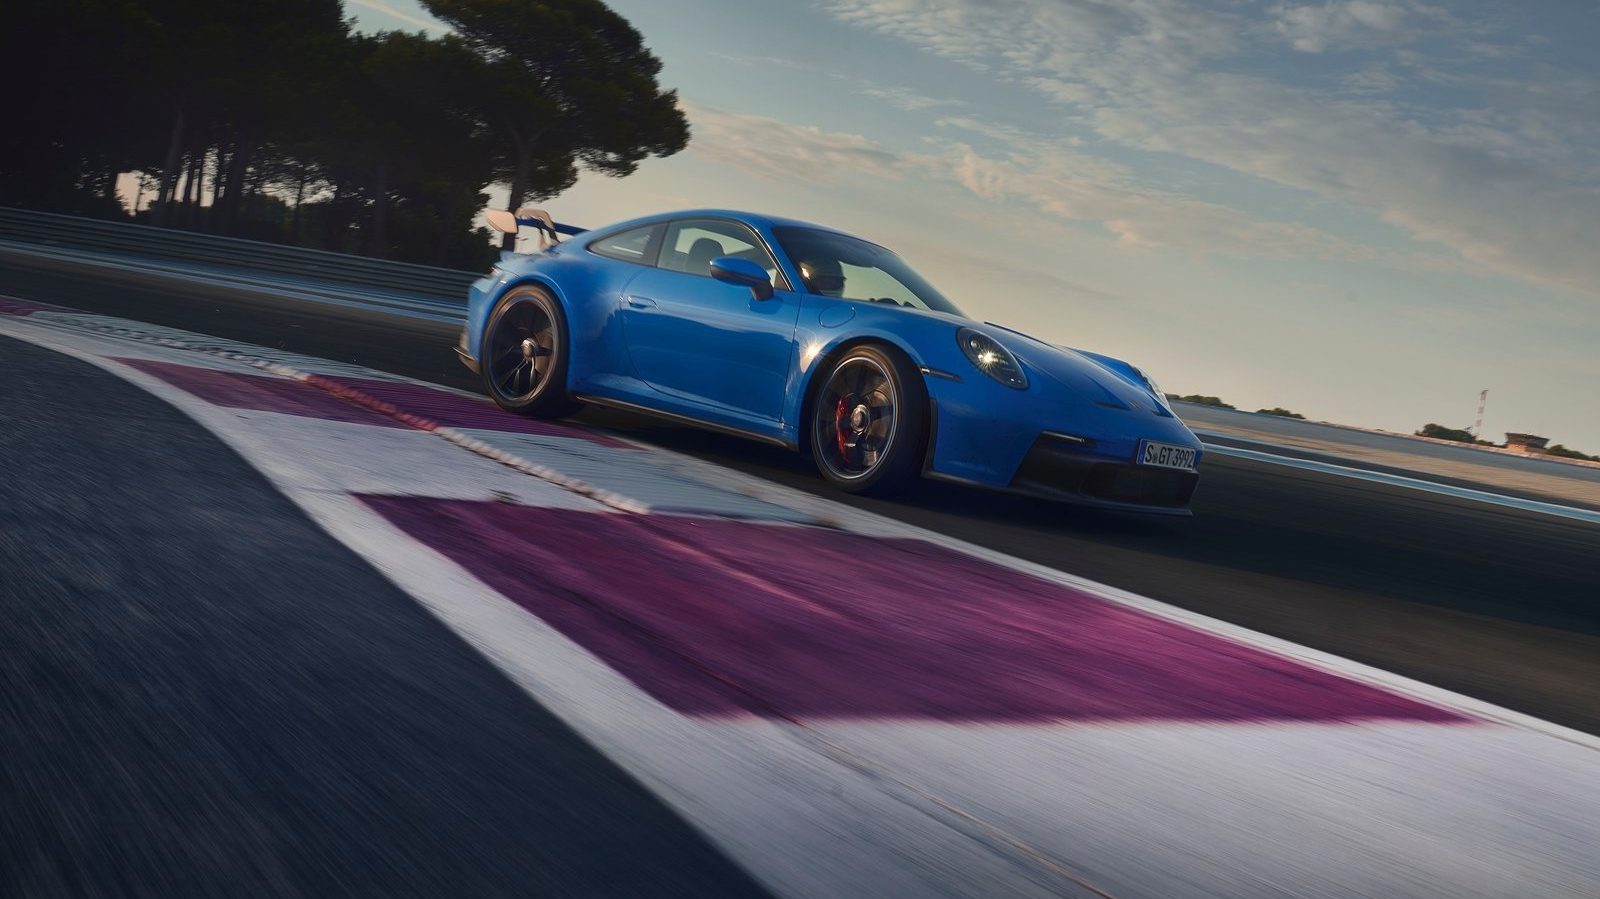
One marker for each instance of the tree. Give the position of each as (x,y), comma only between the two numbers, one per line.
(569,82)
(1199,400)
(428,86)
(273,121)
(71,122)
(1280,412)
(1440,432)
(290,47)
(220,77)
(1563,452)
(403,132)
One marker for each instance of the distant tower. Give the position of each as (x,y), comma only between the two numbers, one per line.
(1528,443)
(1483,400)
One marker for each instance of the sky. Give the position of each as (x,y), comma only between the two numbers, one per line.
(1364,211)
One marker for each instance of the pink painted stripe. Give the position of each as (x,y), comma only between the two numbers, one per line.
(717,617)
(265,394)
(453,410)
(14,306)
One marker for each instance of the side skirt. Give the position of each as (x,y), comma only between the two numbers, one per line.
(684,420)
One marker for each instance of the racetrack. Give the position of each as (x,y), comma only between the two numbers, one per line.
(183,649)
(1496,603)
(857,706)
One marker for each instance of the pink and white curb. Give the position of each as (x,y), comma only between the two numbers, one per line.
(881,745)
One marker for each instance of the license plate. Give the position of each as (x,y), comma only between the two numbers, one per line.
(1165,455)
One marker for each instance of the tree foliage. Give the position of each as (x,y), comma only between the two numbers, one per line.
(1280,412)
(1440,432)
(272,120)
(571,83)
(1565,453)
(1199,400)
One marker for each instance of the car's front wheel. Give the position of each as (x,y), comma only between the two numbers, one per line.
(869,424)
(525,350)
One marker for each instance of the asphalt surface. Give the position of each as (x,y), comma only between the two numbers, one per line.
(1492,602)
(201,693)
(1431,477)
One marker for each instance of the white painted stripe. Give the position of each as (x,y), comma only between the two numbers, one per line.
(1394,480)
(1181,809)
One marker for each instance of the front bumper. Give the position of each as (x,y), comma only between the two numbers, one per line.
(1056,468)
(1021,444)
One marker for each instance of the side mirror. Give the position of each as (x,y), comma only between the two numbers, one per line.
(743,272)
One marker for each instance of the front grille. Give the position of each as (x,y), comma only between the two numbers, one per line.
(1137,484)
(1055,467)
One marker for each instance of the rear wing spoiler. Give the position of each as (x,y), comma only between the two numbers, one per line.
(550,230)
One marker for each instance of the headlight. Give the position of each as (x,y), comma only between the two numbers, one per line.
(991,358)
(1151,385)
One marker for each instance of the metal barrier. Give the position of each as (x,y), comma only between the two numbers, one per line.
(50,229)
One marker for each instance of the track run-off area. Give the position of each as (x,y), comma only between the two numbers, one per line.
(1319,685)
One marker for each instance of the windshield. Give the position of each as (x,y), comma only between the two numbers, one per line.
(834,265)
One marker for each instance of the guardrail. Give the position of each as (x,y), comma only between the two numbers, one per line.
(50,229)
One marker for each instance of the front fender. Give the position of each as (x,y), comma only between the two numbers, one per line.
(827,327)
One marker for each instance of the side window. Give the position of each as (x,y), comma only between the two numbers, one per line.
(691,244)
(629,246)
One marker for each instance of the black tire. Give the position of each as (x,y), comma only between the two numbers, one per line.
(869,421)
(524,354)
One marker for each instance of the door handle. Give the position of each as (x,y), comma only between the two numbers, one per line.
(639,302)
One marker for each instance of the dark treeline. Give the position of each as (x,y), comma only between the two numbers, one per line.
(272,120)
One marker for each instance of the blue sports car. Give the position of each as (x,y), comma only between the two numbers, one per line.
(806,337)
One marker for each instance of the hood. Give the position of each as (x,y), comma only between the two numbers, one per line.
(1109,383)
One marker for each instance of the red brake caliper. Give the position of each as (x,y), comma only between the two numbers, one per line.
(839,424)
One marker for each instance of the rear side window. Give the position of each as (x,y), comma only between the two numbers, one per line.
(635,246)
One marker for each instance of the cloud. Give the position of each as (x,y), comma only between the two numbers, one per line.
(1315,28)
(906,98)
(895,95)
(1071,93)
(1371,79)
(780,151)
(1016,140)
(1078,188)
(1040,174)
(1503,171)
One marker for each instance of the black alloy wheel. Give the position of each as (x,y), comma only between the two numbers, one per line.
(869,421)
(524,359)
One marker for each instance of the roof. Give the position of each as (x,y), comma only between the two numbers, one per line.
(758,219)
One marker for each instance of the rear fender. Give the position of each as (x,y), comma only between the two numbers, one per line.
(478,317)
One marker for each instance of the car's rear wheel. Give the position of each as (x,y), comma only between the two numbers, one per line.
(869,423)
(525,350)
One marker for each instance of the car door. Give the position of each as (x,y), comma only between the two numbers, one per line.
(695,338)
